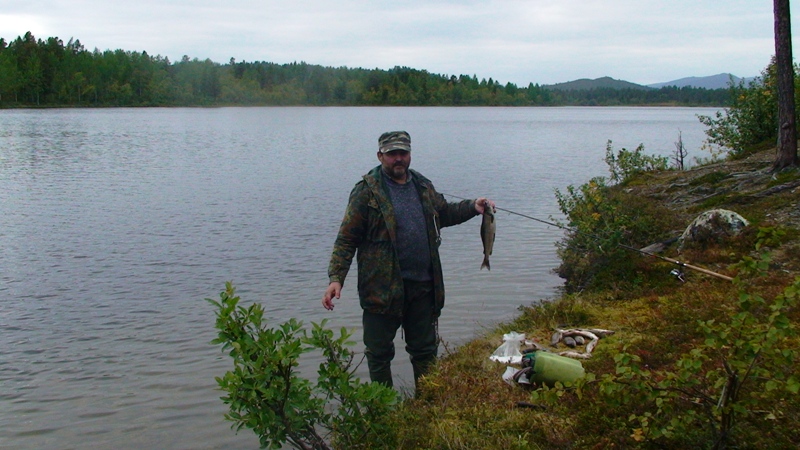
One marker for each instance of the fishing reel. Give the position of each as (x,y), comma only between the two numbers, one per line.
(678,273)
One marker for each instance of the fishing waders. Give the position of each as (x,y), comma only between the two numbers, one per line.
(419,332)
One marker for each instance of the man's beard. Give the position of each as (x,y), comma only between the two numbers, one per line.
(399,171)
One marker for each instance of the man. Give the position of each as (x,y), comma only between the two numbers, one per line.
(393,221)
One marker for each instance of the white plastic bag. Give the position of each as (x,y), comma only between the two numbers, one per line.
(508,375)
(514,376)
(509,352)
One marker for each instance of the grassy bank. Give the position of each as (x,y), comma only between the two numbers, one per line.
(700,363)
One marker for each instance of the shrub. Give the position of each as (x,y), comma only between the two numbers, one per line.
(603,220)
(738,376)
(734,387)
(266,394)
(625,163)
(752,117)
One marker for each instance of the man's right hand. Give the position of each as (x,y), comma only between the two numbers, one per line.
(334,290)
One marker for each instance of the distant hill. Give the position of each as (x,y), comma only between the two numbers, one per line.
(584,84)
(719,81)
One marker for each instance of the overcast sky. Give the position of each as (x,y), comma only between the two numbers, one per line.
(539,41)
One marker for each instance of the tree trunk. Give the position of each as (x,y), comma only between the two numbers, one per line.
(787,128)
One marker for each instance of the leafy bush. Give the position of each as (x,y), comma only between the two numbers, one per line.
(603,220)
(266,394)
(625,163)
(728,389)
(752,117)
(741,373)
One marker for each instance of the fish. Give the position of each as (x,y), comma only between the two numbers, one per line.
(488,229)
(583,333)
(569,341)
(533,346)
(571,354)
(556,338)
(600,332)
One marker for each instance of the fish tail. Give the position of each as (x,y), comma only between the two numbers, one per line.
(486,263)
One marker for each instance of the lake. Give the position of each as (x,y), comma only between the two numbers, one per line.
(116,224)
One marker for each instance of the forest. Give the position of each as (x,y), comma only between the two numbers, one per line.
(49,73)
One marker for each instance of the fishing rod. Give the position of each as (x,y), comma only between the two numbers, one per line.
(678,273)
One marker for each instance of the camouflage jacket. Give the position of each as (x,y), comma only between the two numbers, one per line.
(368,231)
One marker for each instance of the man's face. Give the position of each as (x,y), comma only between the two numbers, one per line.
(395,163)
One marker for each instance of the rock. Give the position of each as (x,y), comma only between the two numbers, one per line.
(712,226)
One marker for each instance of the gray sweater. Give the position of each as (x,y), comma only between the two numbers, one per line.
(412,236)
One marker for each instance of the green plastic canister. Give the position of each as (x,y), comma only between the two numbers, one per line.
(549,368)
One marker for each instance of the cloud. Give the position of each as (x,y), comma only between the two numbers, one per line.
(14,25)
(540,41)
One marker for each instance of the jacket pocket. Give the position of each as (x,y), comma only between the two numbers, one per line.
(377,231)
(376,271)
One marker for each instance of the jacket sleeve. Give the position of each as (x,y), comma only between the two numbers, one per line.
(351,234)
(453,213)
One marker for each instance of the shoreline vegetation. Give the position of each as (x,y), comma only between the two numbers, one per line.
(36,73)
(700,363)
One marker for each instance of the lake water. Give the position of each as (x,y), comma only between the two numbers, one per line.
(116,224)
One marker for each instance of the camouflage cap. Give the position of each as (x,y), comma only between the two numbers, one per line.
(394,140)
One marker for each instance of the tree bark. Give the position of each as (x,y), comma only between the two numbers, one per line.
(787,128)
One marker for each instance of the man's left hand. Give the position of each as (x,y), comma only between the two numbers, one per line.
(481,203)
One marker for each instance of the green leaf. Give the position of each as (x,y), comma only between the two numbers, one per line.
(793,385)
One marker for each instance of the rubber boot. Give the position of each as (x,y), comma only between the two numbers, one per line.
(380,373)
(421,368)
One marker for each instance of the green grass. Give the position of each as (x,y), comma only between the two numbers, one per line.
(710,179)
